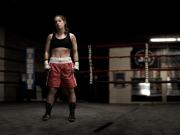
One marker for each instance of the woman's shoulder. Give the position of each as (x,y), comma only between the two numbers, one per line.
(50,35)
(72,36)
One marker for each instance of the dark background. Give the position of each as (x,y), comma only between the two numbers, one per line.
(92,21)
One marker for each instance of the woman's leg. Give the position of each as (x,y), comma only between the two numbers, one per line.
(51,95)
(49,103)
(71,96)
(72,104)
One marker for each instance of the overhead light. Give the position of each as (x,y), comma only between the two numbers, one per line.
(164,39)
(178,39)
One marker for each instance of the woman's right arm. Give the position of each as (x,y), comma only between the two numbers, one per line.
(47,47)
(46,53)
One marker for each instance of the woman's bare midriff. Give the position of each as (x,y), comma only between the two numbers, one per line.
(60,52)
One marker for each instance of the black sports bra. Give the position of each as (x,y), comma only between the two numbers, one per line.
(65,42)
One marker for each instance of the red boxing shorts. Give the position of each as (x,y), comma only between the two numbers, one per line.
(61,73)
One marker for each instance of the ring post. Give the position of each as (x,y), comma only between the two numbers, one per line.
(145,87)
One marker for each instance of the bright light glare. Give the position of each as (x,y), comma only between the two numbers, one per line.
(145,89)
(164,39)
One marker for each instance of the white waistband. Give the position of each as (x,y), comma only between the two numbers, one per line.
(60,60)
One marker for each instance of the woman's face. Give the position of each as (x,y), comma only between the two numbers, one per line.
(59,22)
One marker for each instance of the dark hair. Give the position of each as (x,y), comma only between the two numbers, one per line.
(64,19)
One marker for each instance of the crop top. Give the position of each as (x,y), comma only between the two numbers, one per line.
(65,42)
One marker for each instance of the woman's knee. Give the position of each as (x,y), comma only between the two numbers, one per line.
(52,91)
(71,91)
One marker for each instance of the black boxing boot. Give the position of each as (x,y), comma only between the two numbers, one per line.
(72,107)
(47,114)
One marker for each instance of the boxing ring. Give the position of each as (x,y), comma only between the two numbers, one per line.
(132,72)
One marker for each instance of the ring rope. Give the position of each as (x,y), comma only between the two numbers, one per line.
(134,44)
(111,57)
(140,69)
(133,82)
